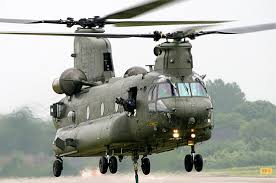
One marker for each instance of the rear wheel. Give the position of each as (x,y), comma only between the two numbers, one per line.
(145,166)
(113,164)
(188,162)
(103,164)
(57,167)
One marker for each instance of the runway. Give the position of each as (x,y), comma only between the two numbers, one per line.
(142,179)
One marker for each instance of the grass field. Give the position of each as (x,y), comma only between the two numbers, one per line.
(242,171)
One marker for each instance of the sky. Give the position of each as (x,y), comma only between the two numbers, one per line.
(30,64)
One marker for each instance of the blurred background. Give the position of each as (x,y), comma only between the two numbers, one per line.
(240,73)
(243,141)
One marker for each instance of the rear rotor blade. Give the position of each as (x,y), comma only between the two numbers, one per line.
(238,30)
(152,23)
(17,21)
(140,9)
(26,21)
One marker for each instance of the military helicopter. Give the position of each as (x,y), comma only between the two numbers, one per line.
(139,114)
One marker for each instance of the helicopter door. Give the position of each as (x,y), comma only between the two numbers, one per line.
(132,98)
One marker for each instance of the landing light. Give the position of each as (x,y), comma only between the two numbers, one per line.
(175,131)
(175,134)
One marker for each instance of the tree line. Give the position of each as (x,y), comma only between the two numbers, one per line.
(244,135)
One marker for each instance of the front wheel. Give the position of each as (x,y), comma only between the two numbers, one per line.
(188,162)
(198,162)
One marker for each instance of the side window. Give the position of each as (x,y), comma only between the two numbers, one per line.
(152,94)
(164,90)
(152,98)
(198,90)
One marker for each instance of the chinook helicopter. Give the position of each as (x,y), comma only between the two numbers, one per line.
(139,114)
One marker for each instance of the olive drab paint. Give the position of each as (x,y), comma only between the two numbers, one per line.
(141,113)
(97,124)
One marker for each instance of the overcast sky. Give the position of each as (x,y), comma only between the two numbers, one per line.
(29,64)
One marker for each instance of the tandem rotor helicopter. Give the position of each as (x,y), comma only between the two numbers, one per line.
(141,113)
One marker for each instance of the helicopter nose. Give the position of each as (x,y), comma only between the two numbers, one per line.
(190,110)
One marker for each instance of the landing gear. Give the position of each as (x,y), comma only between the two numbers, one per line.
(113,164)
(145,165)
(103,165)
(57,167)
(193,160)
(188,163)
(135,158)
(121,157)
(198,162)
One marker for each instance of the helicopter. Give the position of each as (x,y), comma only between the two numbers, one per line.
(141,113)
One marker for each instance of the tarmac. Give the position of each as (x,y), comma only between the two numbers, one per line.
(89,178)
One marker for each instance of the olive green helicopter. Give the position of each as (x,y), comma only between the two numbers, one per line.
(139,114)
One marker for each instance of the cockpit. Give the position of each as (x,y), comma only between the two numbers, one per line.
(164,90)
(168,89)
(191,89)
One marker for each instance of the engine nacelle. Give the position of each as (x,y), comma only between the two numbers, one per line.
(56,86)
(70,82)
(135,71)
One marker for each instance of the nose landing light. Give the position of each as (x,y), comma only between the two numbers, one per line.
(193,135)
(175,134)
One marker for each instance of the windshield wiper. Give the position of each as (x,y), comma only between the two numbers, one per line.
(169,81)
(201,83)
(173,87)
(186,88)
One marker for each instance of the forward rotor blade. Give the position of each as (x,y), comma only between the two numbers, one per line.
(192,30)
(140,9)
(100,35)
(249,29)
(152,23)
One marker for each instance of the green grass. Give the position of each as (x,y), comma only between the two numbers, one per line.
(242,171)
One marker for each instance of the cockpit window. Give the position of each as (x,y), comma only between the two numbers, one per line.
(191,89)
(165,90)
(152,94)
(184,89)
(198,90)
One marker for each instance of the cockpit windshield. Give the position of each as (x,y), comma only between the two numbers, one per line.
(184,89)
(198,90)
(191,89)
(167,89)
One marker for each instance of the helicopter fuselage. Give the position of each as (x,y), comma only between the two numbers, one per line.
(168,113)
